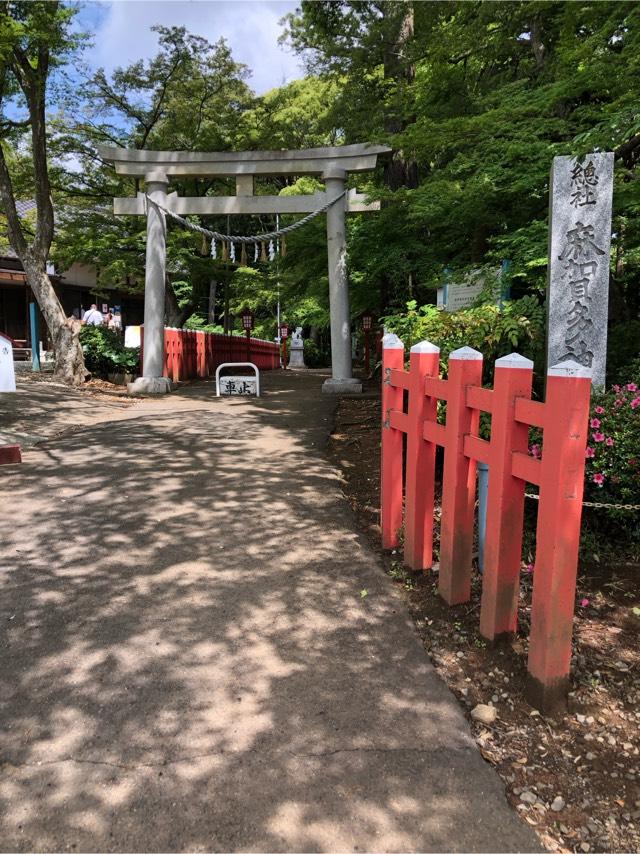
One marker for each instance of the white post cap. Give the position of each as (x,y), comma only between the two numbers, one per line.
(514,360)
(391,342)
(466,353)
(569,369)
(425,347)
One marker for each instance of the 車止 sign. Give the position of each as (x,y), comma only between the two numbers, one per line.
(238,385)
(243,385)
(579,247)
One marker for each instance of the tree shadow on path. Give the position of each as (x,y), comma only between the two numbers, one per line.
(189,660)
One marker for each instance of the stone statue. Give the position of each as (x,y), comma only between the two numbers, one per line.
(296,355)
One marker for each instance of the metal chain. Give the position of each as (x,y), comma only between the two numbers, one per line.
(597,504)
(239,238)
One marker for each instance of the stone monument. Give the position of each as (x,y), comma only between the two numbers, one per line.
(579,245)
(7,370)
(296,354)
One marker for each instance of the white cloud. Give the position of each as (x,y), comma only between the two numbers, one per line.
(122,33)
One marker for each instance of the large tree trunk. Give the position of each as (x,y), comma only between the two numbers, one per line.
(175,316)
(398,171)
(69,364)
(30,68)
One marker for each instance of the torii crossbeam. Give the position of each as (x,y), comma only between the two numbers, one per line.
(157,168)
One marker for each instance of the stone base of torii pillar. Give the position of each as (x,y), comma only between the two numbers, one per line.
(150,385)
(350,385)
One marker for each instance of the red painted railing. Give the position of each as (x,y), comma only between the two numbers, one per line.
(190,353)
(559,474)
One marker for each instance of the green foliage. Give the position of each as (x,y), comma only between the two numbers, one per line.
(314,357)
(475,99)
(517,326)
(623,348)
(105,353)
(613,450)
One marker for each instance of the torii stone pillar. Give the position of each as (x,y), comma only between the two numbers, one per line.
(152,381)
(333,163)
(341,379)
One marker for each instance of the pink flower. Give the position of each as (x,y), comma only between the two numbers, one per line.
(635,403)
(600,410)
(609,441)
(595,423)
(618,402)
(530,567)
(616,388)
(632,387)
(598,437)
(589,453)
(584,603)
(534,450)
(598,478)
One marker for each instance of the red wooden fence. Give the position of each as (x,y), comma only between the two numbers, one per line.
(191,353)
(559,474)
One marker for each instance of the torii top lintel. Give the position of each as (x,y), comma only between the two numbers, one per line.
(308,161)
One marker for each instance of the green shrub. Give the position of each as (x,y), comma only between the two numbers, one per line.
(314,357)
(517,326)
(105,353)
(623,349)
(612,472)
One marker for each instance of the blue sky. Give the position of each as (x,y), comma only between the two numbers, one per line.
(122,32)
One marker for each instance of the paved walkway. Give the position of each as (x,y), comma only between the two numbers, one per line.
(187,659)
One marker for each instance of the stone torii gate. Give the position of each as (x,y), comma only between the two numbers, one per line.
(157,168)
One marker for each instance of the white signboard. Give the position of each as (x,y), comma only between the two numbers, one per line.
(132,336)
(7,371)
(462,295)
(238,385)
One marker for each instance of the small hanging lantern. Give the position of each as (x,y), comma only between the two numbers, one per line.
(367,321)
(248,319)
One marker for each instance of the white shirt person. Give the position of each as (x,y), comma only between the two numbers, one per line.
(92,317)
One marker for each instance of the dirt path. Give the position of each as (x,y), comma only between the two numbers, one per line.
(198,651)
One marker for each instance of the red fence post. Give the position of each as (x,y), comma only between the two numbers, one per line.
(505,501)
(10,454)
(167,354)
(179,355)
(424,361)
(558,533)
(459,479)
(392,442)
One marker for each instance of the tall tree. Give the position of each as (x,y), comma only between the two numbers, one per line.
(368,45)
(35,38)
(191,95)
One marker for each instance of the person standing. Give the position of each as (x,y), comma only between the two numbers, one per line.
(93,317)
